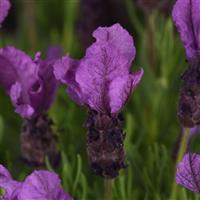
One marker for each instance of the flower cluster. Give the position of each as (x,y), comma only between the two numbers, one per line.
(41,185)
(102,81)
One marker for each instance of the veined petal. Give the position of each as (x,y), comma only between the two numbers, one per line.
(186,15)
(188,172)
(104,72)
(121,88)
(42,185)
(64,71)
(105,63)
(30,84)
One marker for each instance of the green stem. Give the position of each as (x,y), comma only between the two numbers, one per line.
(181,152)
(108,189)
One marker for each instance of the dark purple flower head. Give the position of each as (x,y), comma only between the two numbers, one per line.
(40,185)
(30,84)
(188,172)
(4,7)
(102,79)
(186,15)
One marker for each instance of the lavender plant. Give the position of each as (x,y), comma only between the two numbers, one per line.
(32,87)
(150,121)
(102,82)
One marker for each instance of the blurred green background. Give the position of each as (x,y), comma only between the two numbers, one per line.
(151,123)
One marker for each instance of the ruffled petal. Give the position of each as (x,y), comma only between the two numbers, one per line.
(42,185)
(65,71)
(106,62)
(186,16)
(104,73)
(121,88)
(31,84)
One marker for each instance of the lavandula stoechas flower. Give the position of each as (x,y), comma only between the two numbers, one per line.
(102,81)
(186,15)
(31,86)
(40,185)
(4,7)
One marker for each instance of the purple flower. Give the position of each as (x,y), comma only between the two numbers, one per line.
(102,79)
(4,7)
(30,83)
(186,15)
(41,185)
(188,172)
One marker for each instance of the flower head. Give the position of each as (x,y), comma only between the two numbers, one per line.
(186,15)
(41,185)
(30,83)
(102,80)
(4,7)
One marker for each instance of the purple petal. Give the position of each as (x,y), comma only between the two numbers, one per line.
(4,174)
(65,71)
(18,73)
(117,37)
(54,52)
(103,74)
(43,185)
(101,80)
(30,84)
(4,7)
(10,186)
(121,88)
(186,15)
(188,172)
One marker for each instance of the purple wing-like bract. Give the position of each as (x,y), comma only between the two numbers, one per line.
(188,172)
(102,79)
(186,15)
(40,185)
(30,84)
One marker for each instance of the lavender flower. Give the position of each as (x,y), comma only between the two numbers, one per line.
(186,15)
(32,87)
(30,84)
(102,81)
(4,7)
(188,172)
(41,185)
